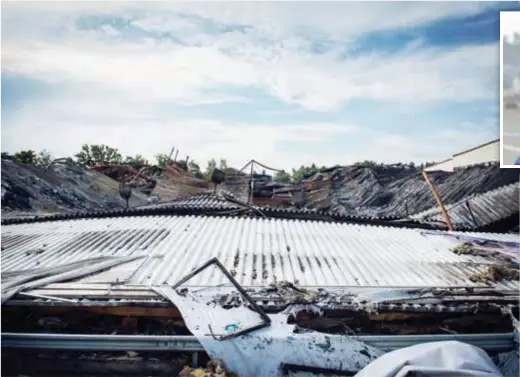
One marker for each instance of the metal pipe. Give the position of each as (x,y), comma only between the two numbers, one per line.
(439,201)
(501,341)
(101,342)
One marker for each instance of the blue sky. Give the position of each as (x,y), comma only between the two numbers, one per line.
(382,81)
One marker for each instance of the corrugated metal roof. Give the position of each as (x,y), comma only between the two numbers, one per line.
(206,200)
(258,251)
(211,204)
(484,209)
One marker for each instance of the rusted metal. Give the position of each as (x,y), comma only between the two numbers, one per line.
(439,201)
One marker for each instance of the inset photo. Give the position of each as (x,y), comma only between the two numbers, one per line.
(510,97)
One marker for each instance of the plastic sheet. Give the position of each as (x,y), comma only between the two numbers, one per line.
(437,359)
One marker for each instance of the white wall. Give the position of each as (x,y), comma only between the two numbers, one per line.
(486,153)
(442,166)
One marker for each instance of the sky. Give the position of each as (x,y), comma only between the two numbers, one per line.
(284,83)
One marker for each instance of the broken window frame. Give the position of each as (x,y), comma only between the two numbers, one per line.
(266,321)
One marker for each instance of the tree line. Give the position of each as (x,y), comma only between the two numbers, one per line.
(91,155)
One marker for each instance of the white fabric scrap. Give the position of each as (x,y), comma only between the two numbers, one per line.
(260,353)
(436,359)
(293,310)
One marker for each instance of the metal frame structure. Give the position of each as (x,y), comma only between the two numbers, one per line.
(266,321)
(489,342)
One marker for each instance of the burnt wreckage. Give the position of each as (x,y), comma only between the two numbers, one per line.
(159,288)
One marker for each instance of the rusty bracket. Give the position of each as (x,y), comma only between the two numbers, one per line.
(266,321)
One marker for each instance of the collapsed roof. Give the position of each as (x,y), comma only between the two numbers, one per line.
(316,275)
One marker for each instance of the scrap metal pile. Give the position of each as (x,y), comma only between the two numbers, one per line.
(400,191)
(482,197)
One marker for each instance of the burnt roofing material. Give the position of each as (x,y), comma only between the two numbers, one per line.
(389,191)
(479,211)
(218,205)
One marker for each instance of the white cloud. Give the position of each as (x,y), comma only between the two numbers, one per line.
(281,19)
(62,129)
(436,147)
(276,62)
(114,84)
(178,73)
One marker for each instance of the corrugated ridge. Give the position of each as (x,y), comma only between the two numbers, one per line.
(210,204)
(485,209)
(258,251)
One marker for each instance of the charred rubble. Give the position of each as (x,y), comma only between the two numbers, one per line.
(380,191)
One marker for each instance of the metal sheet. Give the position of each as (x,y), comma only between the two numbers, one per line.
(257,251)
(484,209)
(207,200)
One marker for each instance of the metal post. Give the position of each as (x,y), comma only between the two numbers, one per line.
(170,156)
(251,187)
(439,201)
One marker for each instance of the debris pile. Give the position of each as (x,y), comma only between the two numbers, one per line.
(215,368)
(386,190)
(168,183)
(398,191)
(60,187)
(504,260)
(495,273)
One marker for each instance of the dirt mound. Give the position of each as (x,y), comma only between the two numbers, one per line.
(59,188)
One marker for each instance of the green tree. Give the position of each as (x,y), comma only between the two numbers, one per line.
(163,159)
(91,155)
(195,169)
(5,155)
(28,157)
(304,172)
(44,158)
(282,176)
(137,159)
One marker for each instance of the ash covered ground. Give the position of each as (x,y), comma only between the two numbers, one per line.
(30,190)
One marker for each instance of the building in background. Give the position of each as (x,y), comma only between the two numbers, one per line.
(484,153)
